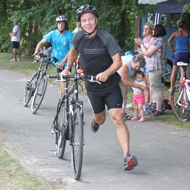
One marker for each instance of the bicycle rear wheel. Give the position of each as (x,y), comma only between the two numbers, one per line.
(179,99)
(60,140)
(39,94)
(77,142)
(29,89)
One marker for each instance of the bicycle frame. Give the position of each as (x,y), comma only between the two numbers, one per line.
(185,91)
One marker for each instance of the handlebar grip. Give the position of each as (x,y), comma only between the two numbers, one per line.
(90,77)
(54,59)
(53,76)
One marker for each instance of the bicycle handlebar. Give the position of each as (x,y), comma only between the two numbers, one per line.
(44,58)
(63,78)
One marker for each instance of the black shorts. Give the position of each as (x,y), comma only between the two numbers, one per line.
(15,45)
(112,98)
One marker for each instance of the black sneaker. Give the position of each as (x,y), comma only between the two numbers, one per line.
(130,162)
(94,126)
(126,117)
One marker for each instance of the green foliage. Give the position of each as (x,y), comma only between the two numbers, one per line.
(37,17)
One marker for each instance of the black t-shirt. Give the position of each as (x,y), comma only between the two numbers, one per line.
(95,56)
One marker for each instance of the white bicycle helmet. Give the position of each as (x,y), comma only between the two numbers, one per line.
(61,19)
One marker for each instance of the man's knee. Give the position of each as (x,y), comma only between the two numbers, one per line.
(100,120)
(118,119)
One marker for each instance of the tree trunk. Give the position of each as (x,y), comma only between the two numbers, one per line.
(121,30)
(30,47)
(4,5)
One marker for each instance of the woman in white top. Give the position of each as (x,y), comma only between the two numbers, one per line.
(148,33)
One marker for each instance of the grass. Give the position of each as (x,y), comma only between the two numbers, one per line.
(14,176)
(27,67)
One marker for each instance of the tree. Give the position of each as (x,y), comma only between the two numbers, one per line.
(37,17)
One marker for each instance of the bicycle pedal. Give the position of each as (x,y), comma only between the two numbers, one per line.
(52,153)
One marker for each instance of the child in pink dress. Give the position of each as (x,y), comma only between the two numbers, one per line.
(138,96)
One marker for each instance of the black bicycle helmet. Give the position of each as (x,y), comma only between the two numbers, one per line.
(86,9)
(61,19)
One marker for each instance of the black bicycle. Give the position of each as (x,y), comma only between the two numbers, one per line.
(68,123)
(36,86)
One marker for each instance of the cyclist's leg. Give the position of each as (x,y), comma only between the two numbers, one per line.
(100,117)
(114,102)
(116,115)
(97,104)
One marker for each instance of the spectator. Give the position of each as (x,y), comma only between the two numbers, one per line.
(156,65)
(100,56)
(181,51)
(130,65)
(138,96)
(15,38)
(148,33)
(78,28)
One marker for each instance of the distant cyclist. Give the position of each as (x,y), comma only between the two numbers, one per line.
(100,56)
(61,44)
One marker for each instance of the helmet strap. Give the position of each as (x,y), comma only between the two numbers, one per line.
(89,34)
(61,31)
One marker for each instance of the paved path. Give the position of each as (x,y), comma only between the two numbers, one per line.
(163,152)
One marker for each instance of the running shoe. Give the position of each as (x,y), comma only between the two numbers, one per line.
(13,60)
(94,126)
(130,162)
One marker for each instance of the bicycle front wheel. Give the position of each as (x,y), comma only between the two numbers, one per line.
(60,140)
(179,101)
(39,94)
(29,89)
(76,142)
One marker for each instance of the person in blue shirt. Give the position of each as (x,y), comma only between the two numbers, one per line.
(61,44)
(181,51)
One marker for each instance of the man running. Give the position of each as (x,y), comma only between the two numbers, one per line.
(100,56)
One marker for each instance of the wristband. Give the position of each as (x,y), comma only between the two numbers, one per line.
(68,68)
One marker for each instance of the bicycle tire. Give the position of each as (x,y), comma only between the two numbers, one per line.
(76,142)
(166,79)
(60,140)
(177,100)
(29,89)
(39,94)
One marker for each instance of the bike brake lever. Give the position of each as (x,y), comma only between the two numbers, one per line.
(57,80)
